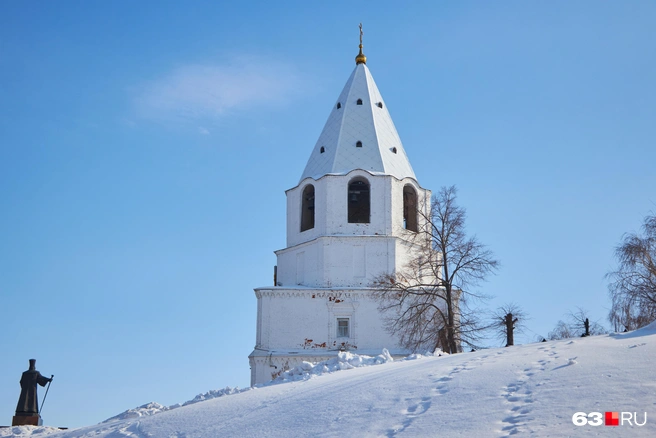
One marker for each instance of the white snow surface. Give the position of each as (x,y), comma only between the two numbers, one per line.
(344,361)
(527,390)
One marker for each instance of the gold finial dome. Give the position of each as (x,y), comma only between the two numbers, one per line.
(360,59)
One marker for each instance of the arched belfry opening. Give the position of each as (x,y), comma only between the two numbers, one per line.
(307,208)
(359,201)
(410,208)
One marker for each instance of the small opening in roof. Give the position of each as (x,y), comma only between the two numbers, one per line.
(339,105)
(359,102)
(379,104)
(322,150)
(394,150)
(358,144)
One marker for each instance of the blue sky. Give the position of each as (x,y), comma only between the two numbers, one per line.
(145,150)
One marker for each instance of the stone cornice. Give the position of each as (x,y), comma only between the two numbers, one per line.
(310,179)
(360,237)
(341,294)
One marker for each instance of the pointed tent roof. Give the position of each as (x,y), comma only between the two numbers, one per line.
(381,150)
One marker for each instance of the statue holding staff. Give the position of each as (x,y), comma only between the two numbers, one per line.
(27,410)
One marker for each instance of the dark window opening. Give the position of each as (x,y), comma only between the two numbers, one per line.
(409,208)
(379,104)
(359,102)
(358,202)
(394,150)
(339,105)
(358,144)
(322,150)
(307,208)
(342,327)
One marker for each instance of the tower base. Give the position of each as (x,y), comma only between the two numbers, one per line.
(27,420)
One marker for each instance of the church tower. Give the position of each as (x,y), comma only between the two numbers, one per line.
(348,221)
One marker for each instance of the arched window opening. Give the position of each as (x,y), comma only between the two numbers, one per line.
(359,102)
(358,144)
(307,208)
(339,105)
(409,208)
(394,150)
(358,201)
(322,150)
(379,104)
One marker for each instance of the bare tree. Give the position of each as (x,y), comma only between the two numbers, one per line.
(582,326)
(427,302)
(508,320)
(633,284)
(578,324)
(561,331)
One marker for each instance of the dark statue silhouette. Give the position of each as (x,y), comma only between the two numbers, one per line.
(27,410)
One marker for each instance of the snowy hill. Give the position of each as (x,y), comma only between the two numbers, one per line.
(525,390)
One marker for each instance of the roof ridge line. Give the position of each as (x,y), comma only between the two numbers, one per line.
(368,76)
(341,120)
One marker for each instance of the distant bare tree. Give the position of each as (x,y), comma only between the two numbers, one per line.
(578,324)
(426,303)
(561,331)
(582,326)
(633,284)
(508,320)
(625,315)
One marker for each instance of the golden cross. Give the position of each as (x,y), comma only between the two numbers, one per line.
(361,33)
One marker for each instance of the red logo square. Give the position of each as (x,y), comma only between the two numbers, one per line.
(612,418)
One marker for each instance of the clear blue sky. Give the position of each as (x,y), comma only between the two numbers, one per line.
(145,149)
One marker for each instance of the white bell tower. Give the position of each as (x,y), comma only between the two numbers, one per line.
(348,221)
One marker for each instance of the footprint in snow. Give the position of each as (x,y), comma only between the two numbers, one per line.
(570,361)
(638,345)
(418,408)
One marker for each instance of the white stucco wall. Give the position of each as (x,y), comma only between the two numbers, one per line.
(291,317)
(337,261)
(296,323)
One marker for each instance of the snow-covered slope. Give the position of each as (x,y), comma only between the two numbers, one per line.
(524,390)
